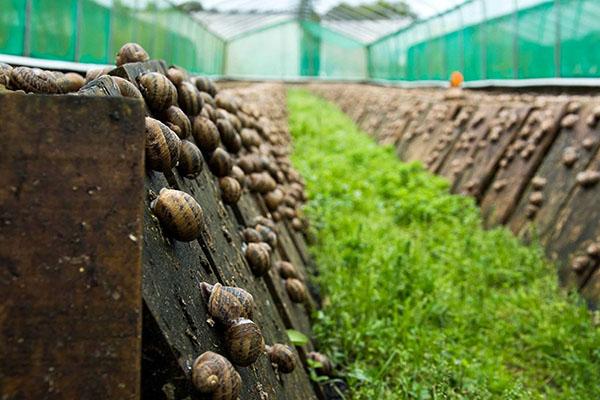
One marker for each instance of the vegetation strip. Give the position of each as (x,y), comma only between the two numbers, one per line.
(419,301)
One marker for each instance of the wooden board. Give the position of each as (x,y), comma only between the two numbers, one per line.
(71,200)
(419,114)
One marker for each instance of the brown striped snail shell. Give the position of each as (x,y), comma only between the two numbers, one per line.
(273,199)
(205,134)
(203,84)
(260,220)
(231,190)
(220,163)
(70,82)
(162,146)
(176,75)
(179,214)
(326,367)
(258,257)
(213,373)
(158,91)
(189,98)
(244,342)
(238,175)
(229,137)
(248,163)
(95,73)
(5,72)
(126,88)
(261,182)
(250,138)
(227,102)
(176,119)
(282,357)
(297,224)
(296,290)
(131,52)
(34,80)
(227,303)
(208,99)
(286,270)
(209,112)
(190,160)
(268,235)
(235,121)
(251,235)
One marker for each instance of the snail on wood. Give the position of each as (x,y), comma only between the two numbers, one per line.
(282,357)
(206,85)
(325,368)
(70,82)
(34,80)
(296,290)
(569,156)
(227,102)
(227,303)
(213,373)
(229,137)
(231,190)
(273,199)
(569,121)
(251,235)
(208,99)
(538,182)
(162,146)
(588,143)
(126,88)
(95,73)
(261,182)
(297,224)
(179,123)
(531,211)
(189,99)
(588,178)
(131,52)
(5,72)
(158,91)
(593,250)
(179,214)
(267,234)
(580,263)
(244,342)
(190,160)
(287,270)
(238,175)
(258,257)
(536,198)
(176,75)
(205,134)
(250,138)
(220,162)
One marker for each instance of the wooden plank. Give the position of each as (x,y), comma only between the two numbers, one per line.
(70,203)
(523,157)
(419,114)
(560,178)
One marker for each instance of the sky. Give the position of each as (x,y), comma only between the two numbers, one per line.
(424,8)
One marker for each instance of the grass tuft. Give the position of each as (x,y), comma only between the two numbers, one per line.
(421,302)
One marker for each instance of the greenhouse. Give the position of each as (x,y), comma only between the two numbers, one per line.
(300,199)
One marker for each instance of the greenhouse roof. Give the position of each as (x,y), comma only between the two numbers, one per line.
(366,31)
(229,25)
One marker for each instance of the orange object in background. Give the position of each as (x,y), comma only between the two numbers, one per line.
(456,79)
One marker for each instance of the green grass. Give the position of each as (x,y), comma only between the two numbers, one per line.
(420,301)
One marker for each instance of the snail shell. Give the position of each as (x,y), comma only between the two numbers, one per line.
(176,75)
(593,250)
(282,356)
(536,198)
(227,303)
(260,220)
(258,258)
(287,270)
(244,341)
(220,162)
(227,102)
(203,85)
(34,80)
(176,119)
(126,88)
(296,290)
(213,373)
(208,99)
(273,199)
(569,156)
(179,214)
(229,137)
(268,235)
(70,82)
(297,224)
(231,190)
(96,73)
(158,91)
(588,178)
(580,263)
(538,182)
(238,174)
(261,182)
(248,163)
(131,52)
(209,112)
(326,367)
(5,72)
(250,138)
(190,160)
(251,235)
(569,121)
(189,99)
(162,146)
(205,134)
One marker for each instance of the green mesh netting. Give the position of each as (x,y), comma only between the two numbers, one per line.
(12,26)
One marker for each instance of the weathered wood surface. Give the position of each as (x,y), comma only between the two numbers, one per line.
(71,200)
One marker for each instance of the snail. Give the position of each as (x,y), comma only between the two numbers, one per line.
(569,156)
(213,373)
(189,99)
(267,234)
(538,182)
(126,88)
(536,198)
(260,220)
(95,73)
(227,303)
(297,224)
(588,143)
(258,258)
(238,175)
(325,367)
(296,290)
(499,185)
(176,75)
(131,52)
(208,99)
(227,102)
(162,146)
(179,214)
(34,80)
(70,82)
(158,91)
(588,178)
(179,123)
(248,163)
(244,342)
(5,72)
(205,134)
(580,263)
(231,190)
(282,357)
(286,270)
(569,121)
(205,85)
(273,199)
(251,235)
(261,182)
(208,111)
(220,163)
(190,160)
(593,250)
(531,210)
(229,137)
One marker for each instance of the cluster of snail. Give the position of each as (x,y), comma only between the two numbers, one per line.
(591,259)
(260,239)
(232,308)
(36,80)
(294,285)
